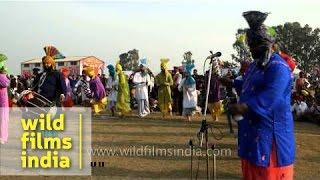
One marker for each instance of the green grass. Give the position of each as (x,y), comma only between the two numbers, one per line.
(174,133)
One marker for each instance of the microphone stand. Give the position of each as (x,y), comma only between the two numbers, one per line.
(204,125)
(191,158)
(203,132)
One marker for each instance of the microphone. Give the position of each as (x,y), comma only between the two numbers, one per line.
(217,54)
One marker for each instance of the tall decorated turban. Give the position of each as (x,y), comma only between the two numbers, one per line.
(164,63)
(52,53)
(257,35)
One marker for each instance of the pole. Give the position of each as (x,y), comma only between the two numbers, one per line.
(204,122)
(191,158)
(203,133)
(207,155)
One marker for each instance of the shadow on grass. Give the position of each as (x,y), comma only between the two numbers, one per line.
(45,177)
(128,173)
(154,134)
(314,159)
(151,119)
(99,143)
(172,135)
(307,132)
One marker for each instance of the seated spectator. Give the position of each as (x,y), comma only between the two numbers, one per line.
(299,107)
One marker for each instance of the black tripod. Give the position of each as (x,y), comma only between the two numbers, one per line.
(203,134)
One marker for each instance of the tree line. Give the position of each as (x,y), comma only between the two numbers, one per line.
(300,42)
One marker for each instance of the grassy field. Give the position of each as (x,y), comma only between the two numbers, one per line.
(175,133)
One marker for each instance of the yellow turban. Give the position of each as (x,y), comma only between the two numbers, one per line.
(49,60)
(89,71)
(118,67)
(164,63)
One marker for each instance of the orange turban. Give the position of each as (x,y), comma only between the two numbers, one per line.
(65,71)
(49,60)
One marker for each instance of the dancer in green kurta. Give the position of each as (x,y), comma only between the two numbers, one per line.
(123,98)
(164,82)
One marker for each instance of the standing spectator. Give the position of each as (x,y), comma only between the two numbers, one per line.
(178,95)
(85,92)
(21,84)
(68,99)
(153,95)
(199,79)
(35,77)
(299,107)
(104,80)
(132,90)
(73,81)
(302,83)
(13,95)
(112,88)
(141,80)
(290,61)
(231,98)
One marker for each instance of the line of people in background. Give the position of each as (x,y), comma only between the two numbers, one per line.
(178,92)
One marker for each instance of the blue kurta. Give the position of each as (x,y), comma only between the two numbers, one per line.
(52,86)
(267,92)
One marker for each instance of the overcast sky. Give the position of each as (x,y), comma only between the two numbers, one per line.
(165,28)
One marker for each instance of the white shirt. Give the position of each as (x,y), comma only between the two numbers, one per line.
(142,83)
(190,96)
(112,84)
(151,85)
(300,108)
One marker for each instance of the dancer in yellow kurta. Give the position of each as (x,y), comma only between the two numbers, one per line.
(164,81)
(123,98)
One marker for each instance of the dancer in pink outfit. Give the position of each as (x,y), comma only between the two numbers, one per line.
(4,107)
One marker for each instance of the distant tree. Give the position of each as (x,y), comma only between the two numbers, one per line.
(240,45)
(302,43)
(3,59)
(130,60)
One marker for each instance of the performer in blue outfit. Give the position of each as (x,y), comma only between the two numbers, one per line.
(266,132)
